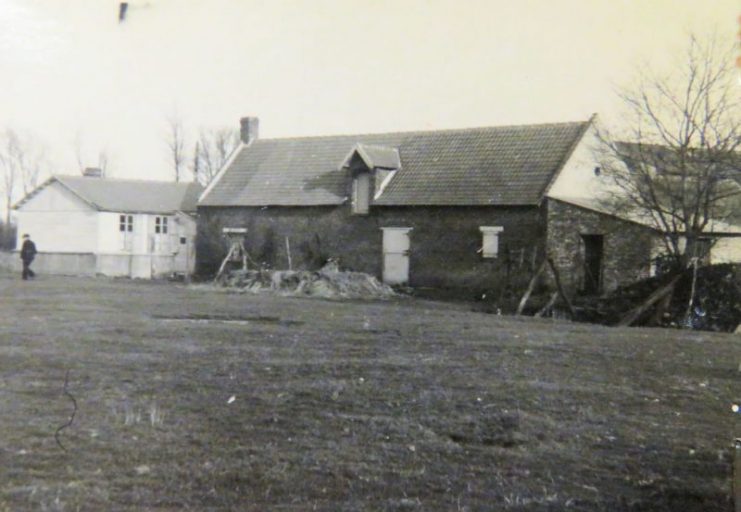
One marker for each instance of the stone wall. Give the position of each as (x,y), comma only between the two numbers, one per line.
(626,251)
(445,241)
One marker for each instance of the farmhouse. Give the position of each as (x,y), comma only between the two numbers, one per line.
(94,225)
(468,208)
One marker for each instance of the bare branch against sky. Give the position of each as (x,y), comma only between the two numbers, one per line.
(676,160)
(212,149)
(23,162)
(175,144)
(303,69)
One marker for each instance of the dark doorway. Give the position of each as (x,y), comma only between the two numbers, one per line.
(593,245)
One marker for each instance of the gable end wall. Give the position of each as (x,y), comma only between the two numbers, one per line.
(626,251)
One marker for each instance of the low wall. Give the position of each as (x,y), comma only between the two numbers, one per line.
(140,266)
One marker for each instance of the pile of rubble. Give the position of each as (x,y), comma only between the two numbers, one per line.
(327,283)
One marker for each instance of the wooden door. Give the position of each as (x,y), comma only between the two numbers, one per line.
(396,255)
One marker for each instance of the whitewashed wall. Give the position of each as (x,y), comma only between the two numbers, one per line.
(58,221)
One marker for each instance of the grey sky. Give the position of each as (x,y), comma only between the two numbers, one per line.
(322,66)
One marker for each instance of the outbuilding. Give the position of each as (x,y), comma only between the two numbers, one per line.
(93,225)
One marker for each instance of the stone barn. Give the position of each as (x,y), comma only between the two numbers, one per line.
(460,209)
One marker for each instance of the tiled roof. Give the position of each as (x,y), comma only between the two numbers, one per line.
(510,165)
(130,196)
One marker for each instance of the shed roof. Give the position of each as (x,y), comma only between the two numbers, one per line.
(507,165)
(129,196)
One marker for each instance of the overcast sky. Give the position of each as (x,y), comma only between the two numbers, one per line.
(70,70)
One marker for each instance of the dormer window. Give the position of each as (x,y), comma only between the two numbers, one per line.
(361,193)
(370,168)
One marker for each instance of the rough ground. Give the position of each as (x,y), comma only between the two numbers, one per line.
(210,401)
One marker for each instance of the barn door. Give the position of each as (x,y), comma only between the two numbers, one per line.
(396,255)
(593,246)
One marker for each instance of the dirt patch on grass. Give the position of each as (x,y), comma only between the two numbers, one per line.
(235,319)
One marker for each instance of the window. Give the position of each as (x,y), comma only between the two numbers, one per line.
(126,223)
(490,242)
(361,193)
(160,225)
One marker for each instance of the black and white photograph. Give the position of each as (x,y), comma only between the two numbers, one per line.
(370,255)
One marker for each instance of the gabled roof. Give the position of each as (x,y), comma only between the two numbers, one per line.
(508,165)
(374,157)
(127,196)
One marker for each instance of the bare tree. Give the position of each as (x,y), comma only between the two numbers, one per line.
(11,173)
(676,165)
(22,163)
(102,160)
(176,147)
(212,150)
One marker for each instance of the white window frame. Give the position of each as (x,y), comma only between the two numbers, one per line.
(160,225)
(125,223)
(490,241)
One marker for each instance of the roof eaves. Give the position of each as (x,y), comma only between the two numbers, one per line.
(48,182)
(222,171)
(72,189)
(35,191)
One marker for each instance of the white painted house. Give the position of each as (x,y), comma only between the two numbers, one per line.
(93,225)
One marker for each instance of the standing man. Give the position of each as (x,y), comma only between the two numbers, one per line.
(28,253)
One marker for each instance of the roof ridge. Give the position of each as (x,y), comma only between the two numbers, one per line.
(420,132)
(128,180)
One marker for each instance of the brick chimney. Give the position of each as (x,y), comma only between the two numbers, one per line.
(249,129)
(93,172)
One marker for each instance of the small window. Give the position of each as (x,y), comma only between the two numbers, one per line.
(160,225)
(126,223)
(597,171)
(183,240)
(490,241)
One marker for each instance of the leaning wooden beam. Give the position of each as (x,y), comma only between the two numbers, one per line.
(223,263)
(530,288)
(548,306)
(652,299)
(557,278)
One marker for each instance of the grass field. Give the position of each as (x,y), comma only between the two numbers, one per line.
(194,399)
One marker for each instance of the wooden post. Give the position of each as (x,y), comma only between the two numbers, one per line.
(288,252)
(688,314)
(244,255)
